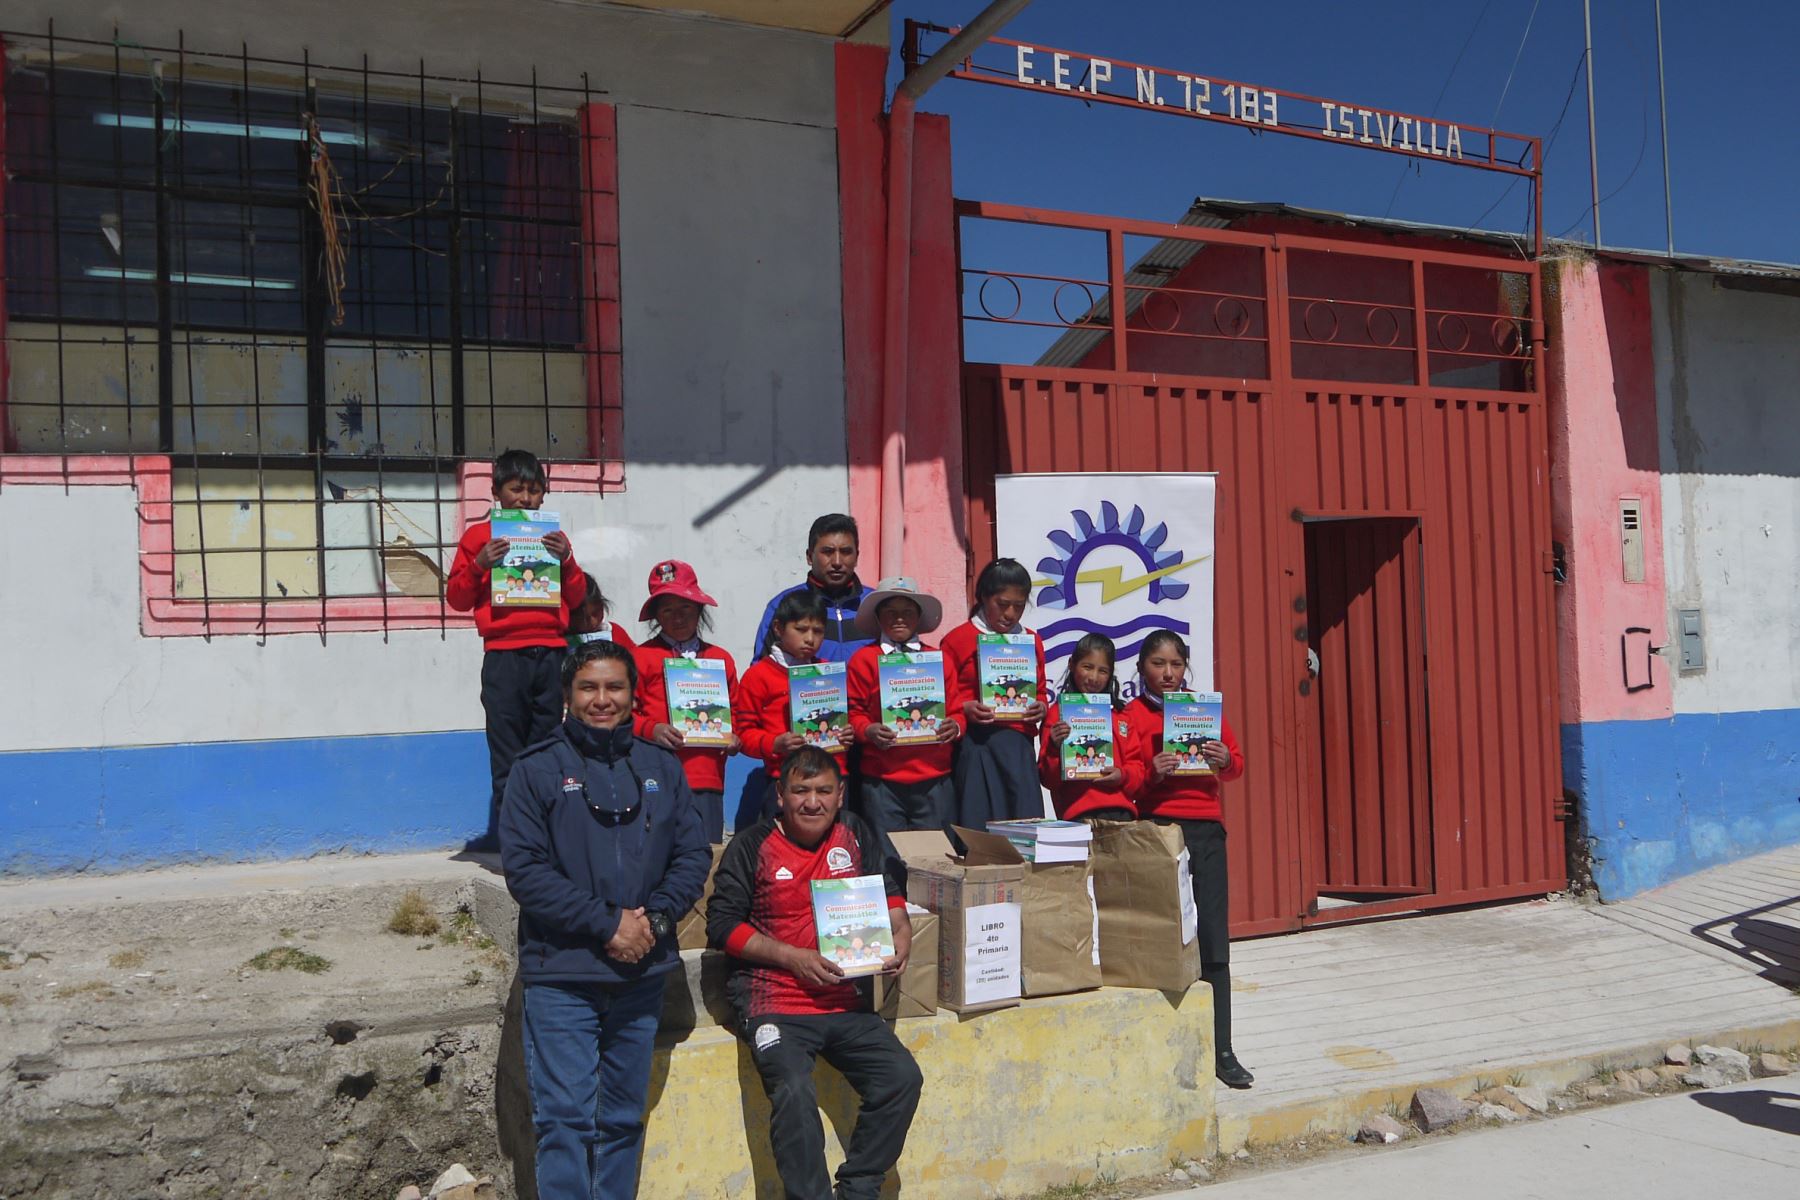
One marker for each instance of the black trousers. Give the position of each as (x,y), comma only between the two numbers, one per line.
(521,691)
(891,807)
(1205,841)
(877,1067)
(712,813)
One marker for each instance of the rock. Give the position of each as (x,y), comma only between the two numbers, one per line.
(1497,1112)
(1670,1074)
(1627,1081)
(1241,1153)
(1178,1175)
(1380,1130)
(1678,1055)
(1198,1173)
(1705,1077)
(1734,1064)
(1434,1109)
(1595,1091)
(1771,1064)
(1533,1098)
(1562,1102)
(456,1176)
(409,1192)
(1646,1078)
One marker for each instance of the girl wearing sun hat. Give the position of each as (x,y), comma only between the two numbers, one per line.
(676,613)
(905,784)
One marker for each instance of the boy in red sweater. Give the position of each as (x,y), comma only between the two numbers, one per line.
(905,785)
(761,714)
(676,613)
(521,664)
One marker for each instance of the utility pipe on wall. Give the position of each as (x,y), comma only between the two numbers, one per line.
(898,333)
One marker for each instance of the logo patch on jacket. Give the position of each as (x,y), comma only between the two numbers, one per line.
(1124,728)
(783,873)
(767,1035)
(837,858)
(571,784)
(650,785)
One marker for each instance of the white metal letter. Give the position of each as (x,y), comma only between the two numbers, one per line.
(1454,145)
(1099,72)
(1200,105)
(1146,87)
(1059,71)
(1025,65)
(1330,112)
(1365,114)
(1252,109)
(1269,104)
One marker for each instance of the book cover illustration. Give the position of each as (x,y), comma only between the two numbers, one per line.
(699,700)
(850,917)
(1007,667)
(819,704)
(529,576)
(1087,753)
(1190,718)
(912,695)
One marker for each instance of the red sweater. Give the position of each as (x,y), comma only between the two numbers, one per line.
(963,676)
(916,762)
(1184,797)
(759,713)
(1077,798)
(703,765)
(467,589)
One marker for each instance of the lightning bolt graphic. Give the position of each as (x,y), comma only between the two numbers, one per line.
(1113,583)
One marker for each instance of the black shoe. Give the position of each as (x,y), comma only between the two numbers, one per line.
(1231,1072)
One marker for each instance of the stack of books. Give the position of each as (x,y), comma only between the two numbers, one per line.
(1045,841)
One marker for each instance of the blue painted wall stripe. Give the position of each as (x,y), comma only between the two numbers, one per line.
(114,809)
(1662,799)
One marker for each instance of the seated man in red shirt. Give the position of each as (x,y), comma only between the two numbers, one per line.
(794,1004)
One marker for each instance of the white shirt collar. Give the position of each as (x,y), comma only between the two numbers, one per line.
(981,624)
(913,647)
(691,648)
(781,656)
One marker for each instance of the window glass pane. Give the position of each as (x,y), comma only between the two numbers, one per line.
(86,252)
(389,532)
(235,267)
(393,400)
(238,394)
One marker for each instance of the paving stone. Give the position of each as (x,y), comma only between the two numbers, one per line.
(1434,1109)
(1705,1077)
(1734,1064)
(1380,1130)
(1771,1064)
(1531,1097)
(1678,1055)
(1497,1112)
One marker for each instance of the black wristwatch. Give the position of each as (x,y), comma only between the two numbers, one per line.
(660,924)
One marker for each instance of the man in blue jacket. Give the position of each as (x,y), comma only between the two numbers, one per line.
(831,554)
(604,850)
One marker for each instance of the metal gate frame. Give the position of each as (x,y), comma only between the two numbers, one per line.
(1473,463)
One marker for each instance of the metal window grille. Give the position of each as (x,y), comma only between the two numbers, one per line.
(316,290)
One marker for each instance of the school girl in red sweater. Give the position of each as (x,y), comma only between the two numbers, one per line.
(1191,802)
(677,616)
(996,764)
(1102,797)
(760,710)
(905,784)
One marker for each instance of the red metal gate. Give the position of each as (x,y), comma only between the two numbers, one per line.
(1324,379)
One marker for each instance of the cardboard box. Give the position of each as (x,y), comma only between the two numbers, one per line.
(978,920)
(690,931)
(1057,914)
(914,993)
(1146,899)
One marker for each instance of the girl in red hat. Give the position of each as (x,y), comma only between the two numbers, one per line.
(677,616)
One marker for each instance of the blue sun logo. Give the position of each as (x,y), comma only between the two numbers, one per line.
(1062,572)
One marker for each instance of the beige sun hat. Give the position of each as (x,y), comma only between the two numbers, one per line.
(931,610)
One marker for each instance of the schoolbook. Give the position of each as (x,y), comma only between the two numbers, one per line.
(912,695)
(699,700)
(1087,753)
(1044,840)
(529,576)
(851,918)
(1008,667)
(819,705)
(1190,718)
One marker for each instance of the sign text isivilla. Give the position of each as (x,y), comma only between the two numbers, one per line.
(1092,78)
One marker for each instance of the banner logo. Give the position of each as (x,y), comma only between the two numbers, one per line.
(1062,573)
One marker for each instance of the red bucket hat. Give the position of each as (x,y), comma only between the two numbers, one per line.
(672,577)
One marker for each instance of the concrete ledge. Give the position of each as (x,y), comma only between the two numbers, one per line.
(1018,1100)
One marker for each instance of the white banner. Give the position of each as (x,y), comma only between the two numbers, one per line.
(1118,554)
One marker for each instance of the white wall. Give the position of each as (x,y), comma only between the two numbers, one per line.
(733,357)
(1728,383)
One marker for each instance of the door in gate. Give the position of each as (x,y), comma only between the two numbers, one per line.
(1370,819)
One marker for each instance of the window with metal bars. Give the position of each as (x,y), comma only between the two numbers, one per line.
(316,291)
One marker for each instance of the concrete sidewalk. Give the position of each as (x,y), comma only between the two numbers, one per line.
(1742,1140)
(1339,1022)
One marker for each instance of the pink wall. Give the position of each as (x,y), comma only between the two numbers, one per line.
(1603,447)
(862,214)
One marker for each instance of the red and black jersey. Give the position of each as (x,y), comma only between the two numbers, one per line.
(764,885)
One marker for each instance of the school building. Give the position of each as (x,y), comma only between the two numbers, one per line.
(1534,515)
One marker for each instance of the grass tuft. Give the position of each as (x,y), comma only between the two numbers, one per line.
(126,960)
(290,958)
(413,917)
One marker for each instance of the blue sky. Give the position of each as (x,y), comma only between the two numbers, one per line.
(1733,140)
